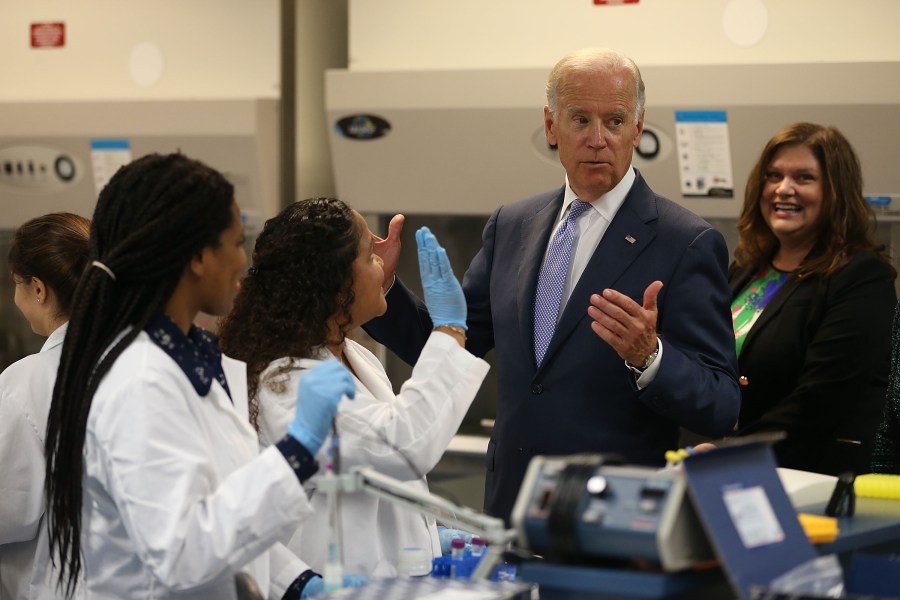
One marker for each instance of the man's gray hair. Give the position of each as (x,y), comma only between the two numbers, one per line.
(590,59)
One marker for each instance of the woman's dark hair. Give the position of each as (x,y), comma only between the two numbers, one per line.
(53,248)
(151,219)
(301,279)
(847,221)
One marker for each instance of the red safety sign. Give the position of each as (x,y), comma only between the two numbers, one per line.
(48,35)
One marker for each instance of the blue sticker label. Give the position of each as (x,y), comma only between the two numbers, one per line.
(109,144)
(700,116)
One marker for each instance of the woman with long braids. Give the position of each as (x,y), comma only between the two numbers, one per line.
(155,483)
(47,256)
(315,277)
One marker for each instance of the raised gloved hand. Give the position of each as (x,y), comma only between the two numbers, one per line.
(446,536)
(316,585)
(321,389)
(443,295)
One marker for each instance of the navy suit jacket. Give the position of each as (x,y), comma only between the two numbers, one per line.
(583,398)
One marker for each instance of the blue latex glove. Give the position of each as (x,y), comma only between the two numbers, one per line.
(447,535)
(443,295)
(316,585)
(320,391)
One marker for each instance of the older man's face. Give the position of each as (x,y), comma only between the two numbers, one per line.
(594,129)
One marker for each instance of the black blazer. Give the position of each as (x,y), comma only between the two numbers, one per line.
(815,365)
(583,398)
(886,449)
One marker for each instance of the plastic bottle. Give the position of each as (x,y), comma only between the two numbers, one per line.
(478,546)
(457,548)
(457,554)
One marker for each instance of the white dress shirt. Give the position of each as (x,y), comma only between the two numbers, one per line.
(592,224)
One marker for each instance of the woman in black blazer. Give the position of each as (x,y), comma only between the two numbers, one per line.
(813,298)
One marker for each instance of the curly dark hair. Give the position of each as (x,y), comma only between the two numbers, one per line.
(847,219)
(300,282)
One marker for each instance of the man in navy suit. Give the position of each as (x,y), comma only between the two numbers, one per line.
(643,341)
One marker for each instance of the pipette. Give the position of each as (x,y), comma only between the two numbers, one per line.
(334,568)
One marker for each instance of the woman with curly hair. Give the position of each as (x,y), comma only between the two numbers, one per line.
(315,277)
(813,295)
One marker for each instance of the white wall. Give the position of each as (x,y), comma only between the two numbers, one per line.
(229,48)
(209,49)
(466,34)
(220,49)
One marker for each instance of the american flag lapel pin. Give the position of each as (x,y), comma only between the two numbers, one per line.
(630,239)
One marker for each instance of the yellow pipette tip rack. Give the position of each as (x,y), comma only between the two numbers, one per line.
(877,485)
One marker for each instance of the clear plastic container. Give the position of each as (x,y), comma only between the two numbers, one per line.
(414,562)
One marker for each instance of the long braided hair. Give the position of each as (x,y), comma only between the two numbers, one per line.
(301,279)
(151,219)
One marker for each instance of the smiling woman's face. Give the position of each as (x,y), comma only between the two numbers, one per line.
(792,196)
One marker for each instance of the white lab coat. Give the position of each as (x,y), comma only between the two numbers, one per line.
(376,429)
(26,389)
(177,496)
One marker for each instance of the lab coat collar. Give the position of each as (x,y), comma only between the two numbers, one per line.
(55,338)
(197,353)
